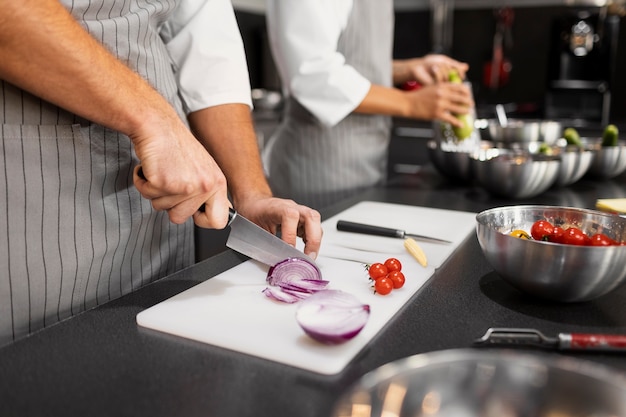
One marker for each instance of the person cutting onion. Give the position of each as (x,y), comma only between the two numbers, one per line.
(334,59)
(89,92)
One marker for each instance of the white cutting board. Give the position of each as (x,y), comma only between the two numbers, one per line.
(230,311)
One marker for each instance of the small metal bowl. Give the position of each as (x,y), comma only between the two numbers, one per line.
(451,160)
(553,271)
(490,383)
(519,131)
(514,174)
(575,163)
(608,161)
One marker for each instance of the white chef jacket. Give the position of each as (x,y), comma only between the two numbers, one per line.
(311,69)
(204,34)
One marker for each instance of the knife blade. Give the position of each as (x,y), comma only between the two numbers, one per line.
(257,243)
(346,226)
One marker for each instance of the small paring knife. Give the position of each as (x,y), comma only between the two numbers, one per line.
(346,226)
(563,341)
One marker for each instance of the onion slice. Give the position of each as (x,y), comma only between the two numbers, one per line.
(332,316)
(292,269)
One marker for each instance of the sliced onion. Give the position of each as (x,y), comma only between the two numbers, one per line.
(332,316)
(293,279)
(293,269)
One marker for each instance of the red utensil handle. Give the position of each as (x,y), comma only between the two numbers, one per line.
(593,341)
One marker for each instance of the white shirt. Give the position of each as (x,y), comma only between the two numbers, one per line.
(303,36)
(205,44)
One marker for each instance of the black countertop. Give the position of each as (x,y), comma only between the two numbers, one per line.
(101,363)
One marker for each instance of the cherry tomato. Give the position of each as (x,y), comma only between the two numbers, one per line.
(541,230)
(600,239)
(393,264)
(377,270)
(383,286)
(575,236)
(397,278)
(557,235)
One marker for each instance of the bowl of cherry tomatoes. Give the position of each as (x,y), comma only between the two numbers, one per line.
(556,253)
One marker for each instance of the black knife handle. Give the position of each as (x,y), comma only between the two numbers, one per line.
(367,229)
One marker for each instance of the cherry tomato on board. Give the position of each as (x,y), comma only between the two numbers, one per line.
(575,236)
(541,230)
(383,286)
(377,270)
(600,239)
(397,278)
(393,264)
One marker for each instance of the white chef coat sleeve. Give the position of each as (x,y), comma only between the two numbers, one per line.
(304,36)
(207,51)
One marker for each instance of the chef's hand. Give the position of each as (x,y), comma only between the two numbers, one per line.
(440,102)
(428,70)
(178,175)
(294,220)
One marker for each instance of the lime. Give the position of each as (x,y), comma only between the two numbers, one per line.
(572,137)
(609,137)
(545,149)
(467,129)
(453,77)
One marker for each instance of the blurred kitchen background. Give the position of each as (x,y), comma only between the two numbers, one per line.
(541,59)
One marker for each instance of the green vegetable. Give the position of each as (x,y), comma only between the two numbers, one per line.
(545,149)
(453,77)
(466,130)
(572,137)
(609,137)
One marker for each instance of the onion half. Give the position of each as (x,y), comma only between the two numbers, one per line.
(293,279)
(332,316)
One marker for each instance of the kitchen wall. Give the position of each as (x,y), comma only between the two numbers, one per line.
(472,31)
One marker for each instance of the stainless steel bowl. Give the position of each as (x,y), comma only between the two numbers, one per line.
(514,174)
(575,163)
(608,161)
(451,160)
(519,131)
(494,383)
(553,271)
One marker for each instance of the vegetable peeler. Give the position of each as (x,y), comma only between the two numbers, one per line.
(563,341)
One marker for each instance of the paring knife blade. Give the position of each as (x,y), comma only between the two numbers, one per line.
(255,242)
(368,229)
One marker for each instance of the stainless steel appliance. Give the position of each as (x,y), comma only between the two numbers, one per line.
(581,66)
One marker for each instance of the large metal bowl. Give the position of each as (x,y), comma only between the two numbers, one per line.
(514,174)
(553,271)
(493,383)
(519,131)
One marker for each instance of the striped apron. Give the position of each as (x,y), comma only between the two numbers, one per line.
(318,165)
(74,232)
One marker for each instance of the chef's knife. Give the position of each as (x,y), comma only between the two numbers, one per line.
(367,229)
(257,243)
(253,241)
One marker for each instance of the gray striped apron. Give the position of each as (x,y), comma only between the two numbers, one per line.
(74,231)
(318,165)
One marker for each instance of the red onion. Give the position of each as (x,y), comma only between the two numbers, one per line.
(293,279)
(332,316)
(293,269)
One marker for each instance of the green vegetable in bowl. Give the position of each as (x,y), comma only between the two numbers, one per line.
(467,119)
(610,135)
(572,137)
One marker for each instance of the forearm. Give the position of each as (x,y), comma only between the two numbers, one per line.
(227,132)
(386,101)
(46,52)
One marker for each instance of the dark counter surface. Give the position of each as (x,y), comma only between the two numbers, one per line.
(101,363)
